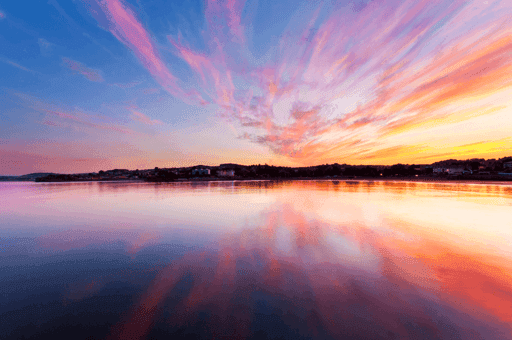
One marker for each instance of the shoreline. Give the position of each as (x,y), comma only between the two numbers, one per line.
(332,179)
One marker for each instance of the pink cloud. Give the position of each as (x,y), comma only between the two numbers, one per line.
(74,118)
(214,74)
(226,13)
(80,121)
(140,117)
(123,24)
(89,73)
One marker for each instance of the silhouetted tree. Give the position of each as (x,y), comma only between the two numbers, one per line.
(398,169)
(474,165)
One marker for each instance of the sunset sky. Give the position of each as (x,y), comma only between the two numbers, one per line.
(96,85)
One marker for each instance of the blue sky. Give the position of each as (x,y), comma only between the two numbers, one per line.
(91,85)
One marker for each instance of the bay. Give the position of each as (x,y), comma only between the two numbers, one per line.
(256,259)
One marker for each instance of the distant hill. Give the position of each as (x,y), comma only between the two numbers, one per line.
(27,177)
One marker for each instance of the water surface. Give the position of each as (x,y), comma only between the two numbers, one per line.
(256,259)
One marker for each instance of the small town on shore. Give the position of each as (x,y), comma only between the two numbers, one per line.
(471,169)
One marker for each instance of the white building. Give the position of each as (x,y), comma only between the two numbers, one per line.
(455,171)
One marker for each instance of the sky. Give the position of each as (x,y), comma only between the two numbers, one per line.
(101,84)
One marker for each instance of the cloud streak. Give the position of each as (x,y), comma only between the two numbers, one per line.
(117,18)
(74,118)
(77,67)
(142,118)
(15,65)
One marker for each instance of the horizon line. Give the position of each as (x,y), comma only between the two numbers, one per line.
(281,166)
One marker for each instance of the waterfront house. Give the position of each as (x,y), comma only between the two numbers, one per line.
(455,170)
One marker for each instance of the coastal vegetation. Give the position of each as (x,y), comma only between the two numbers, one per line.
(471,169)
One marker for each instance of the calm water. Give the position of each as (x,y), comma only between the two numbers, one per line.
(260,260)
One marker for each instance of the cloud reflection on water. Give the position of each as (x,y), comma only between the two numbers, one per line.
(316,260)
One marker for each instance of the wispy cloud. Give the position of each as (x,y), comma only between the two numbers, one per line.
(45,46)
(142,118)
(12,63)
(2,15)
(74,118)
(88,73)
(127,85)
(79,121)
(123,24)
